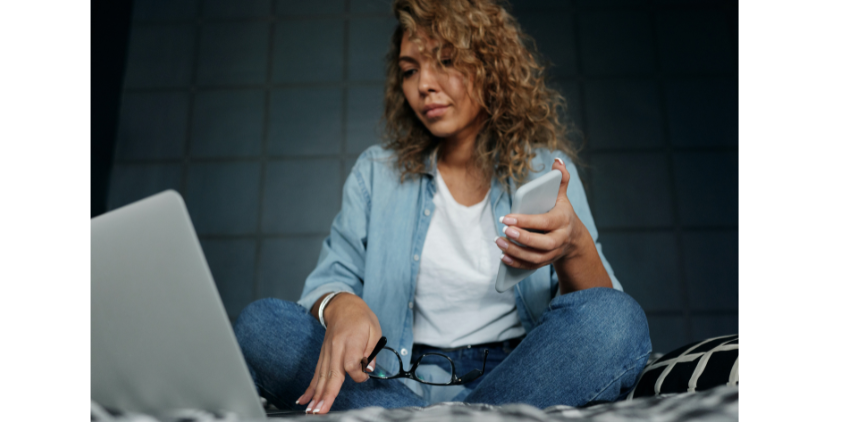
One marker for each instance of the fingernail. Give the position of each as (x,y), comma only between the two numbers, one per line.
(501,219)
(510,221)
(512,233)
(370,368)
(502,243)
(319,407)
(504,229)
(310,406)
(560,161)
(506,259)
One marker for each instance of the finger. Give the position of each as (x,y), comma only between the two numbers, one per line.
(334,380)
(533,256)
(549,221)
(519,263)
(541,241)
(368,366)
(309,392)
(543,221)
(558,164)
(352,366)
(372,342)
(334,383)
(322,379)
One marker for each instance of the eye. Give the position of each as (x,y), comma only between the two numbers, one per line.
(407,73)
(447,62)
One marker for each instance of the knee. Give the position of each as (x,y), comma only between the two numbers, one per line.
(627,324)
(257,318)
(613,318)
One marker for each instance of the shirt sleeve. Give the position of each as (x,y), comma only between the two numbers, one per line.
(577,196)
(340,266)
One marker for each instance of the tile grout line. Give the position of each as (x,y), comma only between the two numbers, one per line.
(268,19)
(379,83)
(668,145)
(587,177)
(270,157)
(261,197)
(274,18)
(196,48)
(345,95)
(226,160)
(668,229)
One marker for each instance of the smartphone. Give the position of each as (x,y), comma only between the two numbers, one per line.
(536,197)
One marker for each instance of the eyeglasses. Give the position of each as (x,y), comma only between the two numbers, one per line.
(420,375)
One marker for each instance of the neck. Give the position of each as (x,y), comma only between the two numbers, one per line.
(457,150)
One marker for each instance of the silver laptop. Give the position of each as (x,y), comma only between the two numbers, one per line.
(161,338)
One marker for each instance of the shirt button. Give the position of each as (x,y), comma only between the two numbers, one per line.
(403,352)
(410,305)
(417,257)
(427,212)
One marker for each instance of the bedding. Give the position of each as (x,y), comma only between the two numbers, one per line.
(716,404)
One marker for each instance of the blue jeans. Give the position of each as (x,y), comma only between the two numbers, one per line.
(590,345)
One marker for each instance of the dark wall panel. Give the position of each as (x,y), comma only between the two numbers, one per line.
(256,111)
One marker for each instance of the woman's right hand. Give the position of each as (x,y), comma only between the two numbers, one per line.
(352,332)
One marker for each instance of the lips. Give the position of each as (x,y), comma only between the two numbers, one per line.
(435,110)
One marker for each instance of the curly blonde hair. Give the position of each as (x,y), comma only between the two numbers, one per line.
(485,42)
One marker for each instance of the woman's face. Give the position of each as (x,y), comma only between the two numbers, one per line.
(438,96)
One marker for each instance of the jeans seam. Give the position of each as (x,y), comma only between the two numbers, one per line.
(645,358)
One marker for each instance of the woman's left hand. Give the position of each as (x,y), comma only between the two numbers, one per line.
(563,234)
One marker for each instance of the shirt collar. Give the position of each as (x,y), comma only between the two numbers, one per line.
(430,164)
(430,167)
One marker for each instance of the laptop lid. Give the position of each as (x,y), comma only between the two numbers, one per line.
(160,336)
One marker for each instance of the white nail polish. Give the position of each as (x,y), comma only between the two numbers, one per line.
(319,406)
(504,229)
(308,410)
(501,219)
(370,368)
(560,161)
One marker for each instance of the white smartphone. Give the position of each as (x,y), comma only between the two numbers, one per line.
(536,197)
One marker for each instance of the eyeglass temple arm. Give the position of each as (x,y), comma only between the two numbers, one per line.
(472,375)
(379,346)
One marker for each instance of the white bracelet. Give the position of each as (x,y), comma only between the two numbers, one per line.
(322,307)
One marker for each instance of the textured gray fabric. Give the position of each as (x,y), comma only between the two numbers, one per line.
(717,404)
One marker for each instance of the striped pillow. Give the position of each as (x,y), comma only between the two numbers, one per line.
(694,367)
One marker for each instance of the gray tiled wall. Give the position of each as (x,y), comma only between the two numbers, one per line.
(256,110)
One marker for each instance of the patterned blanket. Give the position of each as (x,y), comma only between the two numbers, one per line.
(717,404)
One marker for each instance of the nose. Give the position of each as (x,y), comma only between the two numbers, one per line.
(428,79)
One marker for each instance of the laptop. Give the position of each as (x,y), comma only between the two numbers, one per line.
(160,336)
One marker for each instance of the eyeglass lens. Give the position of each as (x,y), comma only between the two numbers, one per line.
(387,364)
(434,368)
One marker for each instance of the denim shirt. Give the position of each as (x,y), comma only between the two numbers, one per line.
(376,240)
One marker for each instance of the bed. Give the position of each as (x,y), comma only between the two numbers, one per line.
(696,382)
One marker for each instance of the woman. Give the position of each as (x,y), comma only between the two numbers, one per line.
(414,252)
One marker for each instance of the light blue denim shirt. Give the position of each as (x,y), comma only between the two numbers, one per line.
(376,240)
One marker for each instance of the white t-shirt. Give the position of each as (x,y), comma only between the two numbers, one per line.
(455,302)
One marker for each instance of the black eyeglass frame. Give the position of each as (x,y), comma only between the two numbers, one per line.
(454,379)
